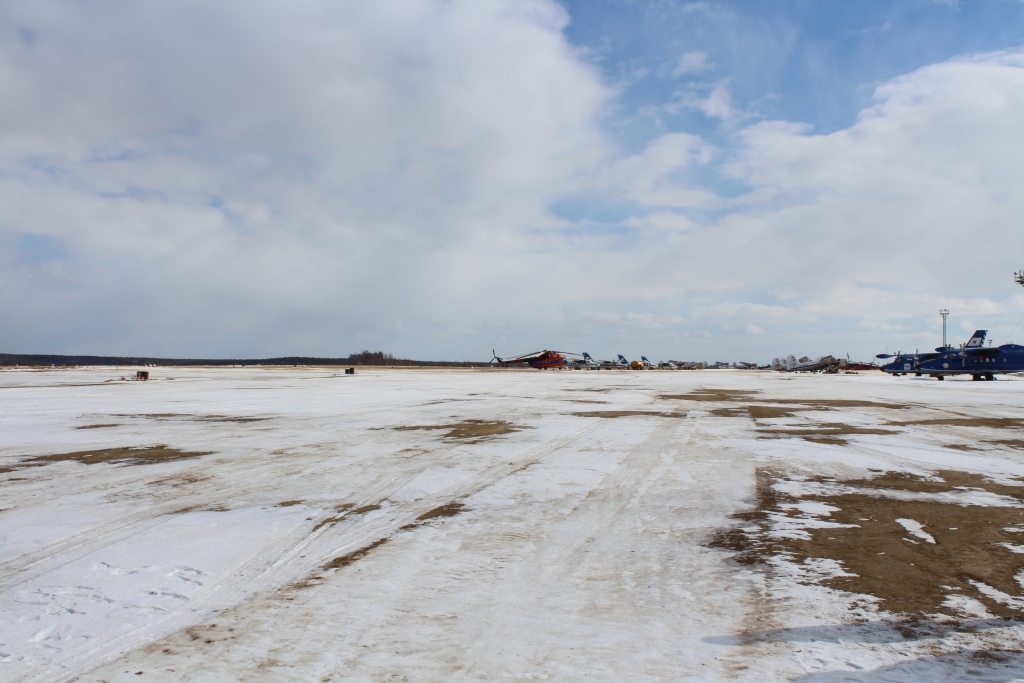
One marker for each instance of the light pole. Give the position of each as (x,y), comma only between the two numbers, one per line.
(944,313)
(1018,277)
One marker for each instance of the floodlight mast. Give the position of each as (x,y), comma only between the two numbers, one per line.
(1018,277)
(944,313)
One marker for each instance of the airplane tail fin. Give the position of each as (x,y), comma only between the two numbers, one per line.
(977,340)
(587,358)
(644,359)
(622,359)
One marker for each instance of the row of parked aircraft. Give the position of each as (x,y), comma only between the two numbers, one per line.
(544,360)
(827,364)
(973,358)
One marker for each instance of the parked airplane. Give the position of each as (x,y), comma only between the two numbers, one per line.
(541,360)
(817,365)
(905,363)
(607,365)
(805,364)
(975,359)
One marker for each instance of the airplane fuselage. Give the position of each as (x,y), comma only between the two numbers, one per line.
(981,363)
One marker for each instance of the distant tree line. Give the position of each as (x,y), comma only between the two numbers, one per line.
(365,357)
(374,358)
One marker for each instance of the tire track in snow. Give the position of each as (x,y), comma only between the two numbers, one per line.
(56,554)
(52,556)
(292,556)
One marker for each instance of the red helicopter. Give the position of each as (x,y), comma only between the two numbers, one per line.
(542,360)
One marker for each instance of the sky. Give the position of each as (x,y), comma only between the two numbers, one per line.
(732,180)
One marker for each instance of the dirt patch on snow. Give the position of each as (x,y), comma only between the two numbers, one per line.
(936,555)
(626,413)
(829,403)
(471,431)
(344,509)
(328,521)
(195,418)
(129,456)
(991,422)
(830,433)
(346,560)
(1017,444)
(448,510)
(714,395)
(103,426)
(756,412)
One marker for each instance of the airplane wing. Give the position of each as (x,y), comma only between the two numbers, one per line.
(983,351)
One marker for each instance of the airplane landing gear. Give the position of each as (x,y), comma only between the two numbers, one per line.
(977,378)
(990,377)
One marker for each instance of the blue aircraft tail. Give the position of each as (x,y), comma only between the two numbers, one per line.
(622,359)
(587,358)
(977,340)
(644,359)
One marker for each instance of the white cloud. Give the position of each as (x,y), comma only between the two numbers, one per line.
(716,104)
(218,178)
(650,177)
(691,62)
(921,193)
(335,166)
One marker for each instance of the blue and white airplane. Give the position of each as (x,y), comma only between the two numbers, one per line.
(905,363)
(973,358)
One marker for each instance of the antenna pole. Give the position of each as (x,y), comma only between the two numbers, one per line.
(944,313)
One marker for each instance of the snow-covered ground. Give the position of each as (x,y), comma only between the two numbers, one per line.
(428,525)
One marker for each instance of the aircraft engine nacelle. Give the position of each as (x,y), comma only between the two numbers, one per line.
(790,362)
(775,364)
